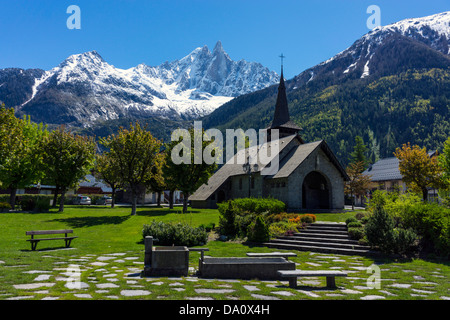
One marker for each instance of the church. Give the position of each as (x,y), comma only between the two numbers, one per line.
(309,176)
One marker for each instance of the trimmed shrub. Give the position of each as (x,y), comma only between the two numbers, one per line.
(360,215)
(350,220)
(5,207)
(308,218)
(258,231)
(227,219)
(256,205)
(42,204)
(354,225)
(380,230)
(178,234)
(355,233)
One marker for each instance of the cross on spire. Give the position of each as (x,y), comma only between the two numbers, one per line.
(282,56)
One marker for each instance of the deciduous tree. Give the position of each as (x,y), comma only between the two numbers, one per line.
(359,183)
(67,158)
(419,170)
(136,152)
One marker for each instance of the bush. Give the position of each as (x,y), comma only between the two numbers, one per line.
(356,233)
(178,234)
(308,218)
(256,205)
(356,224)
(227,219)
(350,220)
(431,221)
(4,206)
(42,204)
(380,230)
(258,231)
(360,215)
(208,227)
(404,240)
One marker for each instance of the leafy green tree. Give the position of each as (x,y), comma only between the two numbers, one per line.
(419,170)
(359,183)
(108,170)
(359,153)
(189,175)
(136,152)
(67,158)
(156,181)
(23,166)
(9,134)
(444,162)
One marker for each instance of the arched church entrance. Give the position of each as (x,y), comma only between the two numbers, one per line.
(315,191)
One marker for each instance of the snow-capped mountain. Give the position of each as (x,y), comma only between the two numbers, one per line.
(84,88)
(380,51)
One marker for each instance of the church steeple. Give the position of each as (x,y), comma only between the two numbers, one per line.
(281,107)
(281,118)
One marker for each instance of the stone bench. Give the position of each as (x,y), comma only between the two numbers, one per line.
(34,241)
(285,255)
(292,276)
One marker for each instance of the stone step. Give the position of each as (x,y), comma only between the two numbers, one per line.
(316,239)
(321,244)
(321,234)
(327,226)
(308,230)
(319,249)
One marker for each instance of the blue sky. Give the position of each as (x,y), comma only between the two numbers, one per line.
(33,34)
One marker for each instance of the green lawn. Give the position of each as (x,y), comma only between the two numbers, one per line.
(109,248)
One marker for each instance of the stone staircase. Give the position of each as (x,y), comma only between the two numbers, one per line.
(321,237)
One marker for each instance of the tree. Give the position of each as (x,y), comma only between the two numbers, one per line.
(169,180)
(359,153)
(419,170)
(108,170)
(156,181)
(23,166)
(67,158)
(444,162)
(189,175)
(359,183)
(135,151)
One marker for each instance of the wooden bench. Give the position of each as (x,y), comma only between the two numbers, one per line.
(292,275)
(34,241)
(285,255)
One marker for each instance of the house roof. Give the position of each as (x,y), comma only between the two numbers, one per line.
(384,169)
(388,169)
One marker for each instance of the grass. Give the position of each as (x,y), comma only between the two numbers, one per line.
(103,232)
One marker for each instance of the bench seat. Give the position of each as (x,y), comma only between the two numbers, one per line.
(34,241)
(292,276)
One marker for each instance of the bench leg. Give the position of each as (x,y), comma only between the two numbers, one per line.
(33,245)
(331,282)
(68,242)
(293,282)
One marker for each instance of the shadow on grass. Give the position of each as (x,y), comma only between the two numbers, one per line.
(81,222)
(164,211)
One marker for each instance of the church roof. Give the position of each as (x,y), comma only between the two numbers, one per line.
(233,167)
(287,164)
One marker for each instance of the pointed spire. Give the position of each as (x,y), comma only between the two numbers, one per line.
(281,107)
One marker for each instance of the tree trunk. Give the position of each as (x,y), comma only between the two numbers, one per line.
(12,197)
(113,196)
(425,194)
(55,197)
(158,200)
(185,202)
(62,200)
(353,202)
(171,194)
(133,201)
